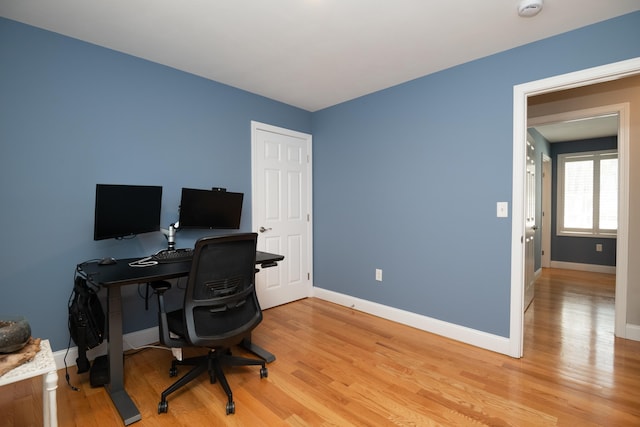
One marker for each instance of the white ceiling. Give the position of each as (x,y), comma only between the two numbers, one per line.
(309,53)
(576,130)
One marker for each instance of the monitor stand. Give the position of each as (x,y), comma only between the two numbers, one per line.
(171,238)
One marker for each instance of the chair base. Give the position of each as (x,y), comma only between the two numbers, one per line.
(212,363)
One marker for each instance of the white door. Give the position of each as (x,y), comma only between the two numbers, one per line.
(281,188)
(530,225)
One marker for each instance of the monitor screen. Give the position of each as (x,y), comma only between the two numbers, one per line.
(126,210)
(210,209)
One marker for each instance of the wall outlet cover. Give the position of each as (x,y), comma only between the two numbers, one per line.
(502,209)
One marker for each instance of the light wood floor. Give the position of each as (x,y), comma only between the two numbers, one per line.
(339,367)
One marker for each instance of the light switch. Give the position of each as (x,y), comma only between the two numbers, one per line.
(503,209)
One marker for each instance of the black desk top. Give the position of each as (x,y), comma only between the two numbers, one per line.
(121,273)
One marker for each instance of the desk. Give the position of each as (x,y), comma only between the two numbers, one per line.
(113,277)
(42,364)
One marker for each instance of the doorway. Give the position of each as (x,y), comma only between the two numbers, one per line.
(521,94)
(569,127)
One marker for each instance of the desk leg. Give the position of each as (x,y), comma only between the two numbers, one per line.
(123,403)
(49,402)
(257,350)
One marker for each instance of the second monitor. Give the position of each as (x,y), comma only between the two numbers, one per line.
(210,209)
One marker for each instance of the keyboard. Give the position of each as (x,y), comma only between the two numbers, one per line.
(177,255)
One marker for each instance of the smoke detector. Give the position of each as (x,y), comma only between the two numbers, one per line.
(527,8)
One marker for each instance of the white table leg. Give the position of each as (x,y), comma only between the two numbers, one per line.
(49,402)
(43,364)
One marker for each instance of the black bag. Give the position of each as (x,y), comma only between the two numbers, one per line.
(86,320)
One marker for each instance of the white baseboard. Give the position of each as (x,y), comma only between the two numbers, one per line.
(449,330)
(129,341)
(609,269)
(632,332)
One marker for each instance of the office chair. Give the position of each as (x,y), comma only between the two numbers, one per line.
(220,310)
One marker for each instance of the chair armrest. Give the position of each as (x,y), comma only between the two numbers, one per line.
(160,287)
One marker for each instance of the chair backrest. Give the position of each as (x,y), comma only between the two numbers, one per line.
(221,307)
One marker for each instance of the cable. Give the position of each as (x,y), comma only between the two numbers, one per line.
(143,262)
(66,369)
(142,347)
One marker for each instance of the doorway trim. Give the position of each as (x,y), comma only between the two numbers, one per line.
(545,239)
(521,93)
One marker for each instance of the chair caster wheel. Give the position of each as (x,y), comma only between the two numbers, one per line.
(231,408)
(163,407)
(173,372)
(264,372)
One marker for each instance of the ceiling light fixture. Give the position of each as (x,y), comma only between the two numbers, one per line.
(528,8)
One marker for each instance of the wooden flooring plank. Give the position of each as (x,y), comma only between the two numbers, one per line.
(336,366)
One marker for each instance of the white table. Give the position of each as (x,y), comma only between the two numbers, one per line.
(43,364)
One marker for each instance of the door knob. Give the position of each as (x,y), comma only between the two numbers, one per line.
(262,229)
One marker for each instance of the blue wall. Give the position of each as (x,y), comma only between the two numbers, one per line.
(72,115)
(580,250)
(407,180)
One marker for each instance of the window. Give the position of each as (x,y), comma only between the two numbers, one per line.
(588,194)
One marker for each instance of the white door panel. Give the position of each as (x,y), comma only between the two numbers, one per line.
(530,225)
(282,211)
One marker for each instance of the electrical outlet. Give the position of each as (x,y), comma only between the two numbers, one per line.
(598,247)
(379,274)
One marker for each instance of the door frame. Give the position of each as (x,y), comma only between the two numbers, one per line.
(545,237)
(521,93)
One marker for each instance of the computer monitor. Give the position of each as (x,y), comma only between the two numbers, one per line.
(210,209)
(126,210)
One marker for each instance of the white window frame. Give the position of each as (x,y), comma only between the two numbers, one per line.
(561,230)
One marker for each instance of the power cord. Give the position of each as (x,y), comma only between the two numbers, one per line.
(66,369)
